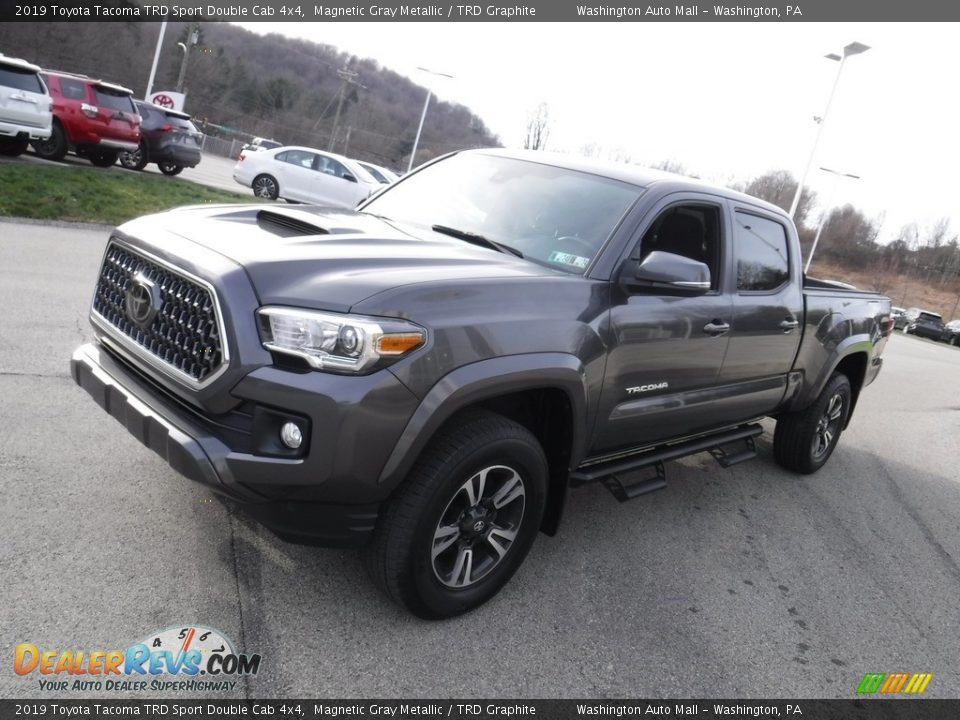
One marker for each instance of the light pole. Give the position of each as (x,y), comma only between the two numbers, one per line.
(193,37)
(423,116)
(854,48)
(156,60)
(826,212)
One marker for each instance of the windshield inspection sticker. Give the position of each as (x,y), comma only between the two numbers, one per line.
(568,259)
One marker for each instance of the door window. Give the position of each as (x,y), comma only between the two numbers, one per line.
(73,89)
(300,158)
(329,166)
(763,259)
(692,231)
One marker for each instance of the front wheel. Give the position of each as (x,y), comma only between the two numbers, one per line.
(464,519)
(264,186)
(53,147)
(135,159)
(803,441)
(169,168)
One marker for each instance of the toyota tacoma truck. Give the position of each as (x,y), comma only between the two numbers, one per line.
(429,375)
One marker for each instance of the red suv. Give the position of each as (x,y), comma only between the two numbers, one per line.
(93,118)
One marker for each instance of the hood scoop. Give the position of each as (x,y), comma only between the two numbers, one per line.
(286,225)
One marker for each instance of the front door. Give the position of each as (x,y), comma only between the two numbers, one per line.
(666,350)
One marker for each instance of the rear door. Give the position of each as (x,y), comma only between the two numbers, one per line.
(666,350)
(295,174)
(23,98)
(767,311)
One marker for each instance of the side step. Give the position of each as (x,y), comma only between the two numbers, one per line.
(727,448)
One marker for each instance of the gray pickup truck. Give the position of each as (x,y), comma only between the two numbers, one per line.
(429,375)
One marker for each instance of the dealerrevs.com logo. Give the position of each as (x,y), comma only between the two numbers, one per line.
(186,658)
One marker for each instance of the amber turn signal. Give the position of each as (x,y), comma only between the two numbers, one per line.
(398,343)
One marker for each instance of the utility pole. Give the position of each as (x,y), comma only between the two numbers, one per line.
(193,36)
(347,77)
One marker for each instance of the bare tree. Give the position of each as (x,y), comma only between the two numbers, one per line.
(538,128)
(778,187)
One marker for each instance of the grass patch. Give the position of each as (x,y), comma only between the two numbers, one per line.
(96,195)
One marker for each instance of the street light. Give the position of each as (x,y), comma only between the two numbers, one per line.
(156,60)
(423,116)
(826,211)
(854,48)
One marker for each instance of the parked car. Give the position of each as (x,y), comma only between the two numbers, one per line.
(428,376)
(381,174)
(167,138)
(897,313)
(95,119)
(304,174)
(925,323)
(25,104)
(951,333)
(258,144)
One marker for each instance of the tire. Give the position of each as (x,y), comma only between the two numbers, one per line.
(103,158)
(135,160)
(437,552)
(956,341)
(54,147)
(266,187)
(169,168)
(803,441)
(13,146)
(906,329)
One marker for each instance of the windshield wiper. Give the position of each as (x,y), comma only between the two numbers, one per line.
(476,239)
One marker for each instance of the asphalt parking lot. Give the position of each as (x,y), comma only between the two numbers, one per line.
(745,582)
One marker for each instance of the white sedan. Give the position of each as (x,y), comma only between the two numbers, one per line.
(306,175)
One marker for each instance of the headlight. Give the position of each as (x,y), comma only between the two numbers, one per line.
(342,343)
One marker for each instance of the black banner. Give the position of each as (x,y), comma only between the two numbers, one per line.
(497,11)
(908,709)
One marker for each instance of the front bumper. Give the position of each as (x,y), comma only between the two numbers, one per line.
(302,499)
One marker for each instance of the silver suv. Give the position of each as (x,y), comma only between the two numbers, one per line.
(25,106)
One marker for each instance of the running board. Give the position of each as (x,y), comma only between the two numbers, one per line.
(727,448)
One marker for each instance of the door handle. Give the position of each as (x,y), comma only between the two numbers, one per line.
(789,324)
(716,327)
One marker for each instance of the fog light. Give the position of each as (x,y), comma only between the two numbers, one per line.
(291,436)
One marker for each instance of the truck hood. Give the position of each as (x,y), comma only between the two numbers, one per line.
(326,258)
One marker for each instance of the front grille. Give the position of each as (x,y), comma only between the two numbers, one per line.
(185,331)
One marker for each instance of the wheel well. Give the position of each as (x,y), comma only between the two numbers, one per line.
(855,368)
(548,414)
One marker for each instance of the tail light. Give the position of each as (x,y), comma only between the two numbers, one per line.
(886,326)
(242,157)
(166,127)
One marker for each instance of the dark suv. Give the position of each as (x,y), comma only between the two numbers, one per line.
(924,323)
(167,138)
(93,118)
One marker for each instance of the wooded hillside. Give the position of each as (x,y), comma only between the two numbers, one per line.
(270,85)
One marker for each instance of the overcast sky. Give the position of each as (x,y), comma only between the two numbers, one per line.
(726,100)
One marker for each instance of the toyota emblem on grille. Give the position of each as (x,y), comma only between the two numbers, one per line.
(142,301)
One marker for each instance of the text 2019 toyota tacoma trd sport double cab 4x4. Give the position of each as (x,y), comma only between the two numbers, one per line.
(428,376)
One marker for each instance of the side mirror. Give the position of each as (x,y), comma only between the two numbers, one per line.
(667,271)
(348,177)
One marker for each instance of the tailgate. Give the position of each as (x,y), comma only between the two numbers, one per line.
(23,100)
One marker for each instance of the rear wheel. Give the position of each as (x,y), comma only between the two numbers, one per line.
(906,329)
(803,441)
(135,159)
(169,168)
(103,158)
(461,524)
(265,186)
(53,147)
(13,146)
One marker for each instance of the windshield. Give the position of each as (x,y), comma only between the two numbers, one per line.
(553,215)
